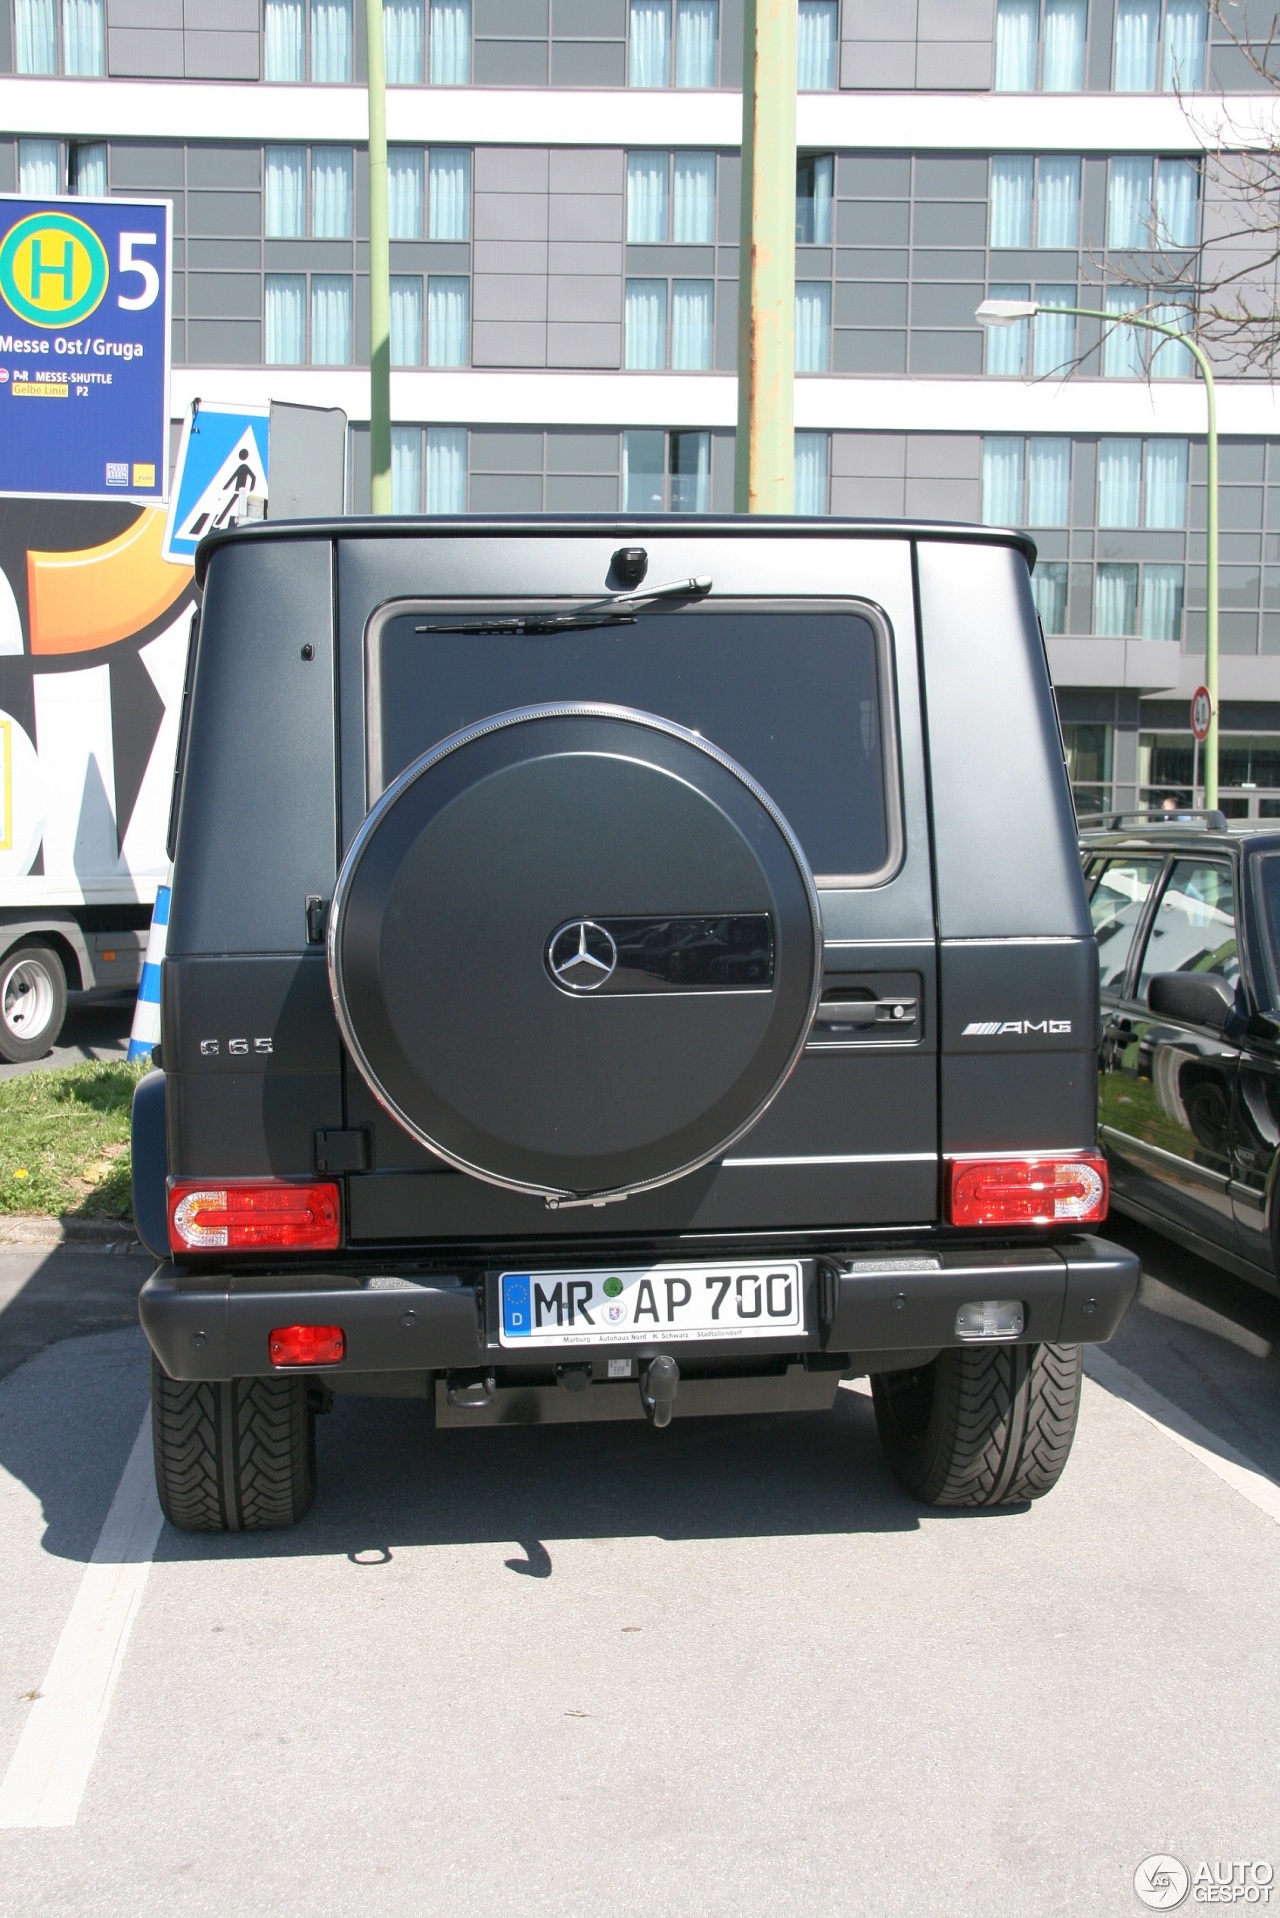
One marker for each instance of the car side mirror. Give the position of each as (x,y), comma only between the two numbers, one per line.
(1196,998)
(1263,1028)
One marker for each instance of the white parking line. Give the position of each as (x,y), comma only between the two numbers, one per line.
(50,1768)
(1232,1467)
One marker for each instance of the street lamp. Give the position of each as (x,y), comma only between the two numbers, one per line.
(1008,313)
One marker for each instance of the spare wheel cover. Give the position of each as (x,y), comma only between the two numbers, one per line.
(575,950)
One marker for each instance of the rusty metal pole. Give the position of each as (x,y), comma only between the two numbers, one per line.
(765,464)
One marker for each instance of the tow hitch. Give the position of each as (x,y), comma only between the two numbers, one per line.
(659,1383)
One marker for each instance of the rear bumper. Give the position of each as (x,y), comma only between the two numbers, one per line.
(881,1306)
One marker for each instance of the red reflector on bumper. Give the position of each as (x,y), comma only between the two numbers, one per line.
(1049,1191)
(307,1345)
(262,1215)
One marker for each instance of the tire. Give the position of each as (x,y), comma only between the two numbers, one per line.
(33,1002)
(233,1455)
(981,1425)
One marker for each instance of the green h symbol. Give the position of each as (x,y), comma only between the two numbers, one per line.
(40,268)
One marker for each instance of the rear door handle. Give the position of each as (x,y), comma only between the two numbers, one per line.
(839,1016)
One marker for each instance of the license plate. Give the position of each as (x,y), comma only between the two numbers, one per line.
(639,1305)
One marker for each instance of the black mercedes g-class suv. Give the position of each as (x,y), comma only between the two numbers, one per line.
(621,969)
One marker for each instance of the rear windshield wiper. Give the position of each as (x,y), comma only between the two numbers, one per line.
(616,611)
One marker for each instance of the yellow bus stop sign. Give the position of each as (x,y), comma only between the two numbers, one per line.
(53,269)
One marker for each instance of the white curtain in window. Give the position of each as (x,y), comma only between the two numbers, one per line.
(1137,42)
(331,176)
(1170,359)
(403,39)
(406,466)
(813,326)
(84,37)
(286,319)
(822,178)
(647,197)
(1115,602)
(1129,201)
(693,198)
(1017,22)
(1048,482)
(446,469)
(283,41)
(1119,482)
(649,44)
(1185,34)
(448,319)
(404,193)
(816,32)
(1162,602)
(644,455)
(406,320)
(1054,339)
(450,43)
(37,37)
(1166,483)
(331,40)
(1177,201)
(1007,345)
(690,456)
(1049,591)
(450,200)
(1066,23)
(40,168)
(813,456)
(1012,182)
(692,304)
(1123,357)
(286,171)
(697,29)
(331,319)
(646,325)
(1058,201)
(1002,469)
(87,169)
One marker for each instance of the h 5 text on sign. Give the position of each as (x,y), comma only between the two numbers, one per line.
(84,347)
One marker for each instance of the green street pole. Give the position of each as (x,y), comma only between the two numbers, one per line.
(765,465)
(1211,517)
(379,269)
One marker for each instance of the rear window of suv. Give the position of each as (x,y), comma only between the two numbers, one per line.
(792,692)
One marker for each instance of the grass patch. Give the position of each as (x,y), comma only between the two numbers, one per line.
(64,1140)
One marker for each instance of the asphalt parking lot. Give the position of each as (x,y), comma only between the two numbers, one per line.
(96,1027)
(726,1668)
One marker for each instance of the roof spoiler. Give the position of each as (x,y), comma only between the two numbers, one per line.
(1207,816)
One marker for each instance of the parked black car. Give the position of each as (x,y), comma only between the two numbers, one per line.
(618,969)
(1187,917)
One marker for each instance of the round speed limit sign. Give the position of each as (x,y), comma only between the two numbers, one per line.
(1201,712)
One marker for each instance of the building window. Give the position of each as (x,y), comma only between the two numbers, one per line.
(1051,337)
(285,39)
(288,200)
(813,326)
(1117,599)
(286,343)
(1025,482)
(692,308)
(448,319)
(1160,54)
(431,190)
(1131,352)
(446,469)
(405,176)
(406,464)
(656,58)
(60,36)
(450,43)
(666,472)
(1040,45)
(671,197)
(690,305)
(1089,764)
(815,190)
(406,320)
(324,309)
(817,32)
(1142,483)
(331,319)
(87,168)
(404,45)
(1152,203)
(1035,202)
(1049,592)
(813,466)
(40,168)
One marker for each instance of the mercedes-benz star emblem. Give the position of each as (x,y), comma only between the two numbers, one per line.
(581,956)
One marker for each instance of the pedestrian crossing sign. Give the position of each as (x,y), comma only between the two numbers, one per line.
(222,465)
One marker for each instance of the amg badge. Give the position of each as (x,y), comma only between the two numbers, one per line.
(1013,1028)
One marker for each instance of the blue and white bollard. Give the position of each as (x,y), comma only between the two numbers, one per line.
(146,1015)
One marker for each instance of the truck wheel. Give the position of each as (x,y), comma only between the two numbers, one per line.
(981,1425)
(33,1002)
(232,1455)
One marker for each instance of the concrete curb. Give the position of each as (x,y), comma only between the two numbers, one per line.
(41,1229)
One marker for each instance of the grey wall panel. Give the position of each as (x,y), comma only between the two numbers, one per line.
(871,20)
(6,66)
(508,343)
(945,303)
(589,19)
(224,343)
(944,456)
(575,297)
(597,216)
(508,256)
(688,261)
(506,493)
(880,66)
(497,449)
(509,296)
(510,63)
(873,176)
(575,450)
(728,198)
(871,303)
(220,255)
(144,53)
(222,16)
(588,63)
(956,20)
(510,216)
(949,222)
(874,262)
(960,65)
(145,166)
(587,170)
(573,344)
(869,498)
(726,324)
(873,222)
(581,494)
(224,296)
(511,19)
(583,256)
(940,352)
(221,56)
(510,170)
(154,14)
(8,167)
(732,42)
(951,176)
(868,351)
(970,263)
(943,499)
(224,166)
(722,472)
(301,256)
(232,213)
(868,455)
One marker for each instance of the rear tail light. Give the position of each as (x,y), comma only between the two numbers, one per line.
(263,1215)
(307,1345)
(1049,1191)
